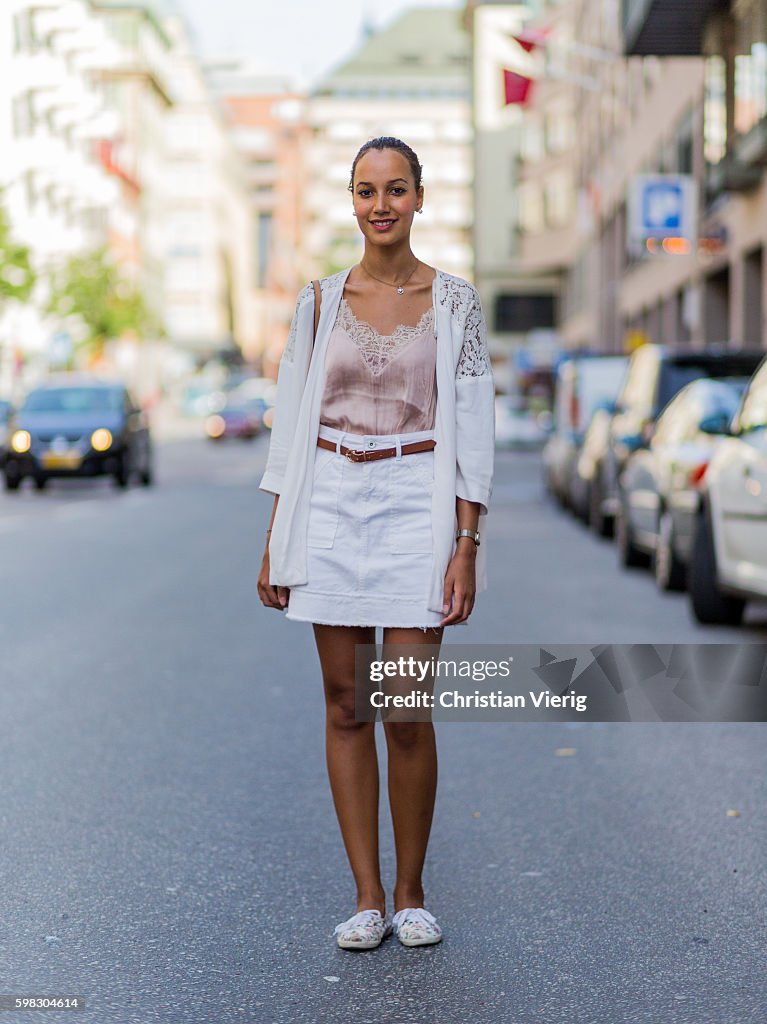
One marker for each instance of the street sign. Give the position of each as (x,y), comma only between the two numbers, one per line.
(662,206)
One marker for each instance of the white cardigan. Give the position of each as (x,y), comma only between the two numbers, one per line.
(464,427)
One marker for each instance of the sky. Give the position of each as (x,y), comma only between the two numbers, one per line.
(300,39)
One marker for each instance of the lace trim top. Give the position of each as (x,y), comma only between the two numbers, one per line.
(380,383)
(457,296)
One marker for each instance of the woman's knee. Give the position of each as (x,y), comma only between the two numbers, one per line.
(408,736)
(340,702)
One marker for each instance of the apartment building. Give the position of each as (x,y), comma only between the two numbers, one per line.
(207,242)
(57,185)
(266,117)
(730,40)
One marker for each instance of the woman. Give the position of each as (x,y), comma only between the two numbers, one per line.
(381,461)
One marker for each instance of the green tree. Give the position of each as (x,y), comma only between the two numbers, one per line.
(17,278)
(91,288)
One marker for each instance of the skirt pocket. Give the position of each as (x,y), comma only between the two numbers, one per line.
(323,508)
(411,482)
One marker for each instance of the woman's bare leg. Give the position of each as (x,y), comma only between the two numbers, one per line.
(351,759)
(412,781)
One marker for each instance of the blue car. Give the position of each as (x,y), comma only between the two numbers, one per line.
(77,426)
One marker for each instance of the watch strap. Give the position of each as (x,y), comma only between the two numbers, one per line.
(474,534)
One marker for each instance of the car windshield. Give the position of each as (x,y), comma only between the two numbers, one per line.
(73,401)
(676,375)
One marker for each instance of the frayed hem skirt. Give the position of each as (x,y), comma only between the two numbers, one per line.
(369,543)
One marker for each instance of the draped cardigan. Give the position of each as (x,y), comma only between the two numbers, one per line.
(464,427)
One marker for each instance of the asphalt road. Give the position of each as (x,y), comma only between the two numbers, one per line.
(169,849)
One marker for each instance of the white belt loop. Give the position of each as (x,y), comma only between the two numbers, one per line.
(398,444)
(339,439)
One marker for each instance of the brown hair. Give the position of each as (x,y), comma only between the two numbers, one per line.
(388,142)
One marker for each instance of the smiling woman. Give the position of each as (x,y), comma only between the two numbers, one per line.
(381,463)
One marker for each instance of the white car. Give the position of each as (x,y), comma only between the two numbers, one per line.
(517,428)
(728,566)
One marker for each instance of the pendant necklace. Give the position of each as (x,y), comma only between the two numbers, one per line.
(400,287)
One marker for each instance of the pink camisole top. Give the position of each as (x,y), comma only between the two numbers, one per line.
(380,384)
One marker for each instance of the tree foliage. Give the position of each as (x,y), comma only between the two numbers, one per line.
(91,288)
(17,278)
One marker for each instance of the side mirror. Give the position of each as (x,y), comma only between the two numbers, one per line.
(632,441)
(717,423)
(607,406)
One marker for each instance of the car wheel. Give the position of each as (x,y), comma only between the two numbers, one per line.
(601,524)
(670,573)
(710,605)
(41,482)
(629,555)
(123,473)
(147,474)
(12,481)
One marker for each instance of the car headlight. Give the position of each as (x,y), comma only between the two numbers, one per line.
(101,439)
(215,426)
(21,441)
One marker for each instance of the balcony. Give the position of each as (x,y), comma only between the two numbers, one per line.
(742,167)
(666,28)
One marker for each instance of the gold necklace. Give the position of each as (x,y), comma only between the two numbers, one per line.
(400,287)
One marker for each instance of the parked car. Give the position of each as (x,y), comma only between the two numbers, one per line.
(655,374)
(518,429)
(660,481)
(728,562)
(6,408)
(77,425)
(236,418)
(582,383)
(589,458)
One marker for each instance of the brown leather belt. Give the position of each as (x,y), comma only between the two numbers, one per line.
(373,454)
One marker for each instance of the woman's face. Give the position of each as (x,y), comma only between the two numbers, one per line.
(385,198)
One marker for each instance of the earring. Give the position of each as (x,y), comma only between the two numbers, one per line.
(419,211)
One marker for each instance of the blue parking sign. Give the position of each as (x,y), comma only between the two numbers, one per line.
(662,206)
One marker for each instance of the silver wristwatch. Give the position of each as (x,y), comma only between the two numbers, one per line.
(474,534)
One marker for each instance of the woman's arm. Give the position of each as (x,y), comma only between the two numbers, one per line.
(475,430)
(460,578)
(271,596)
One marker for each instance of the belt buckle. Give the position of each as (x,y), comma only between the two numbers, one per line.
(355,455)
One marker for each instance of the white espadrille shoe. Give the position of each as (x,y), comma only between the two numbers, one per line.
(415,926)
(365,930)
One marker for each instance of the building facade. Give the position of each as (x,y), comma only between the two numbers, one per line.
(110,138)
(730,39)
(619,94)
(267,121)
(207,246)
(57,187)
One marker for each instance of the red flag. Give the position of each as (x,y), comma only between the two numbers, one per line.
(528,39)
(516,88)
(526,44)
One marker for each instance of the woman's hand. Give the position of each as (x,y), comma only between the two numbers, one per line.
(271,597)
(460,583)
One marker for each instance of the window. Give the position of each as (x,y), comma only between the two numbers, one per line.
(714,111)
(521,313)
(750,66)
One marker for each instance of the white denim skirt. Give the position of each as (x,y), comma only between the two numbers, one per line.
(369,541)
